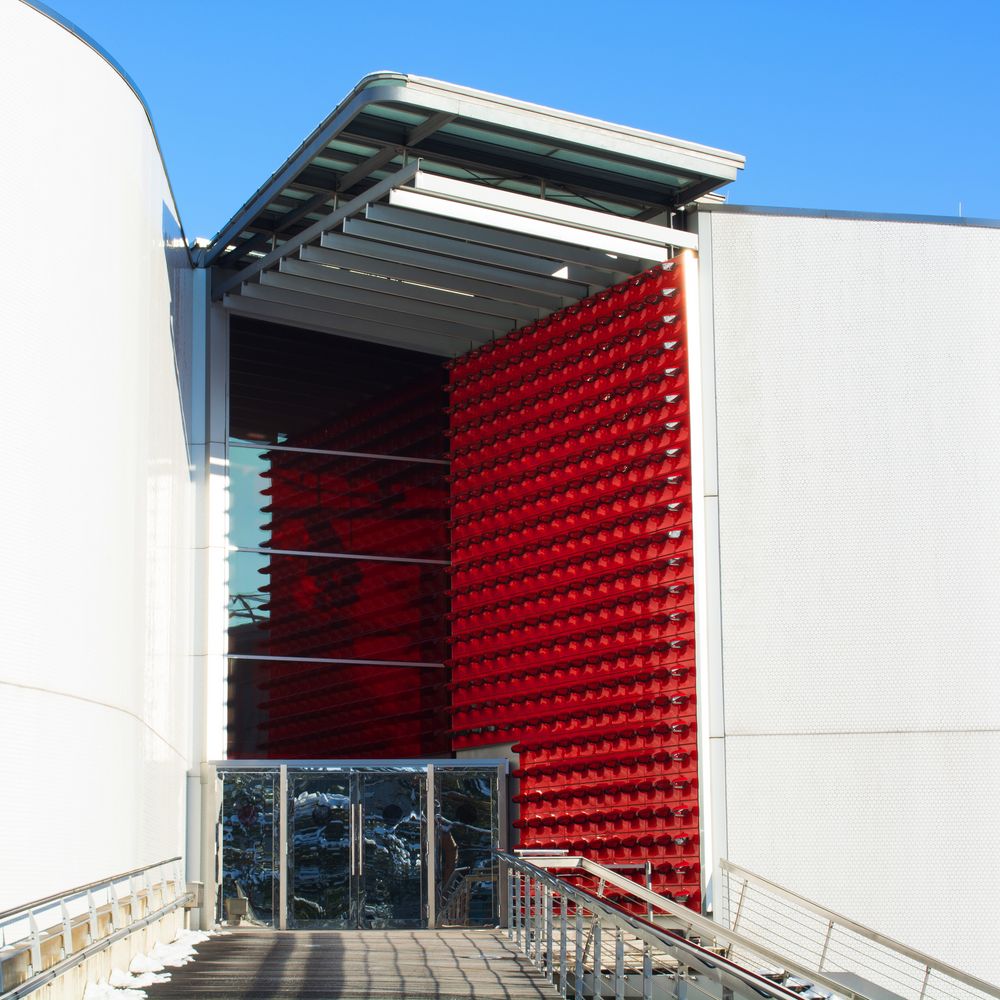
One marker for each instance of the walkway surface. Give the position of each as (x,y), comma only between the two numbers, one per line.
(336,965)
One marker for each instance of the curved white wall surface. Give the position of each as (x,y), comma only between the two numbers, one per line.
(857,365)
(95,700)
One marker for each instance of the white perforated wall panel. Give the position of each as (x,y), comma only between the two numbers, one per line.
(857,366)
(95,606)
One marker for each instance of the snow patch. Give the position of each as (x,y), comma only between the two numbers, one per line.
(145,970)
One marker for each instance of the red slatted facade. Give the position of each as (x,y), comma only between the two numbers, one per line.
(572,598)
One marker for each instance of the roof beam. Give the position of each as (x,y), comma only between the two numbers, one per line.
(330,221)
(406,291)
(508,240)
(288,278)
(646,252)
(311,319)
(548,267)
(359,315)
(587,219)
(373,163)
(376,239)
(429,127)
(411,266)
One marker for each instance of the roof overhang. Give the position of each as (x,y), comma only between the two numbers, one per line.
(422,261)
(471,136)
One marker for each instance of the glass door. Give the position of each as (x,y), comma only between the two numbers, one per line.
(392,848)
(343,846)
(320,850)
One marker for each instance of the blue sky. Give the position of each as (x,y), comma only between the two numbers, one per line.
(877,106)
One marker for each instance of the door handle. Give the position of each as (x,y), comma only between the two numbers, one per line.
(351,839)
(361,840)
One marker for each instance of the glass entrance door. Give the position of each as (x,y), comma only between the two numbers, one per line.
(392,848)
(320,850)
(356,849)
(338,846)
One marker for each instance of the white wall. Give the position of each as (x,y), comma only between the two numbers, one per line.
(858,399)
(95,699)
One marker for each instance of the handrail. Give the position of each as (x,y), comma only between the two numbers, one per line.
(80,889)
(696,922)
(695,956)
(921,987)
(42,948)
(729,868)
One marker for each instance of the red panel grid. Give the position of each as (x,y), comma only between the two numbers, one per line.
(571,588)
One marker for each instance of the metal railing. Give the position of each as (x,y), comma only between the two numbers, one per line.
(591,947)
(47,937)
(836,946)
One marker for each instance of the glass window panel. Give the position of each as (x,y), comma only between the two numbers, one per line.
(357,609)
(283,709)
(329,503)
(315,390)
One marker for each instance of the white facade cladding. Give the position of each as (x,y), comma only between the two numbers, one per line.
(97,496)
(856,373)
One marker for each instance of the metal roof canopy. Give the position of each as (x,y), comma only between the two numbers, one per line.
(473,136)
(433,264)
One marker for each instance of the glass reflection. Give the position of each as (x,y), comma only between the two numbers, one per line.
(467,834)
(305,502)
(249,843)
(319,831)
(336,608)
(282,709)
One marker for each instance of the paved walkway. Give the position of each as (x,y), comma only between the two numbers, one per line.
(337,965)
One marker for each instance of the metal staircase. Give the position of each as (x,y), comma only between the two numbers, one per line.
(595,932)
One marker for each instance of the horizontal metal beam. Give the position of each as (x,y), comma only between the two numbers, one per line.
(528,263)
(322,322)
(531,303)
(550,211)
(378,302)
(533,226)
(316,230)
(408,292)
(565,290)
(617,267)
(360,316)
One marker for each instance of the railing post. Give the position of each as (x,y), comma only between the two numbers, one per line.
(134,905)
(563,930)
(549,964)
(647,972)
(619,965)
(36,944)
(116,917)
(923,985)
(578,985)
(598,953)
(739,905)
(92,916)
(67,930)
(826,942)
(510,902)
(528,944)
(519,910)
